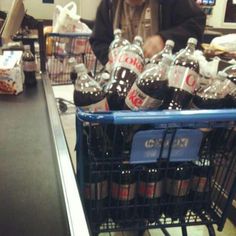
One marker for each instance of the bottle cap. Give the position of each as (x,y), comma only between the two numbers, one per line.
(170,42)
(138,39)
(117,32)
(192,40)
(80,68)
(27,47)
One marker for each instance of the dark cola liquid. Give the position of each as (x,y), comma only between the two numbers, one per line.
(123,188)
(201,185)
(177,191)
(208,103)
(150,191)
(96,195)
(29,68)
(86,98)
(119,87)
(230,101)
(154,88)
(73,76)
(231,98)
(179,97)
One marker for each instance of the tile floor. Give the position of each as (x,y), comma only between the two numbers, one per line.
(68,122)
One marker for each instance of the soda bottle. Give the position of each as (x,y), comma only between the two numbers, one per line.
(103,78)
(167,50)
(90,97)
(150,190)
(201,185)
(149,90)
(29,67)
(123,188)
(73,72)
(96,193)
(211,96)
(126,70)
(183,78)
(177,190)
(88,94)
(229,73)
(114,49)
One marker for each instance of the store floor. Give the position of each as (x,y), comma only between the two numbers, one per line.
(68,122)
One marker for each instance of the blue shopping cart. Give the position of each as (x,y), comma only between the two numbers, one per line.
(156,169)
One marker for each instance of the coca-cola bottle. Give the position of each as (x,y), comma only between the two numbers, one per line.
(167,50)
(73,72)
(149,90)
(183,78)
(90,97)
(211,96)
(103,78)
(127,68)
(123,187)
(96,193)
(114,49)
(150,190)
(88,94)
(177,190)
(229,74)
(201,185)
(29,67)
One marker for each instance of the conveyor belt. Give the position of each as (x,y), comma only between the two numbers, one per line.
(33,197)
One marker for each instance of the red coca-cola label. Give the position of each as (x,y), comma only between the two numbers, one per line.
(177,187)
(200,184)
(130,61)
(96,191)
(29,66)
(100,106)
(150,190)
(112,58)
(183,78)
(136,99)
(123,192)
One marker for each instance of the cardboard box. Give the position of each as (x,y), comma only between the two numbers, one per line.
(11,73)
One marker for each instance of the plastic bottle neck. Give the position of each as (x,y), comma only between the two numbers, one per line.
(190,48)
(138,43)
(168,49)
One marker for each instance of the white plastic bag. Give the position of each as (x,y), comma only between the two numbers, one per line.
(228,42)
(65,19)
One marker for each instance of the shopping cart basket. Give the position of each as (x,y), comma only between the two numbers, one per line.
(156,169)
(62,50)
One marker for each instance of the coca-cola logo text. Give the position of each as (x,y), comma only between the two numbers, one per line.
(135,98)
(191,81)
(127,59)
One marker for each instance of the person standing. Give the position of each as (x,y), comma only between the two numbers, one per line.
(155,20)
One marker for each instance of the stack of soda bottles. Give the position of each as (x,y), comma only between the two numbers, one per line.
(114,188)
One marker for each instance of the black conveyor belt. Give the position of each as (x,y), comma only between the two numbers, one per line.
(31,194)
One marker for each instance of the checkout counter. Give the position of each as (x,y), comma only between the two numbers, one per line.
(38,190)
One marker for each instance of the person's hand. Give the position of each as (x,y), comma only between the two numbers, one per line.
(153,45)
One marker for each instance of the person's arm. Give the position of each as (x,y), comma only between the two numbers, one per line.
(186,20)
(102,32)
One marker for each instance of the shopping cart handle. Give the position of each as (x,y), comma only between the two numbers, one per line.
(158,117)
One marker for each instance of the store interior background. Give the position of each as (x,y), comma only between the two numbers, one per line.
(87,10)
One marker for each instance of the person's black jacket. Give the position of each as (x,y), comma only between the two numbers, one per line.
(179,20)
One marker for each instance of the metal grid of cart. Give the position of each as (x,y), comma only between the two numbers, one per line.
(62,49)
(106,141)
